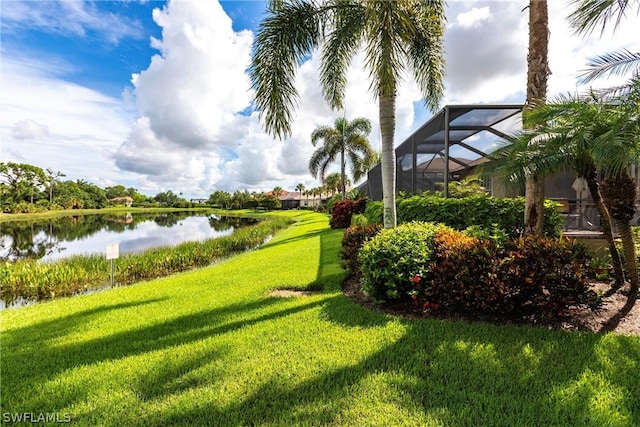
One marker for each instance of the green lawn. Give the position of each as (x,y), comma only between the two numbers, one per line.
(211,347)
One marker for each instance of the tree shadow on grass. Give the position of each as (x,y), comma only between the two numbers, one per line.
(52,359)
(61,326)
(448,375)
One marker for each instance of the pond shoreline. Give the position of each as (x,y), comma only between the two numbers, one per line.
(32,280)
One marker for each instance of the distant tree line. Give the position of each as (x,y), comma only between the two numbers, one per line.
(26,188)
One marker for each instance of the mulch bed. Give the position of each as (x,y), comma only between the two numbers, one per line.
(618,313)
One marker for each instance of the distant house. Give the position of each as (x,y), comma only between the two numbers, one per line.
(126,200)
(295,200)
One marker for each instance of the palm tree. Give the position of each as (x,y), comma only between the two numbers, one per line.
(333,182)
(563,132)
(349,141)
(277,191)
(395,36)
(537,74)
(300,189)
(585,18)
(53,177)
(587,134)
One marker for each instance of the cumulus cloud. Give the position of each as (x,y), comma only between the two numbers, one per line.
(486,48)
(487,43)
(193,97)
(198,83)
(190,99)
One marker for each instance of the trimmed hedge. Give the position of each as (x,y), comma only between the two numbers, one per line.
(481,211)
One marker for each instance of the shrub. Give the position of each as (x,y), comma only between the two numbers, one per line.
(343,210)
(391,259)
(461,278)
(482,211)
(359,219)
(544,276)
(353,239)
(440,268)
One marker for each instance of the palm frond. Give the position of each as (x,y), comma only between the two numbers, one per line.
(619,63)
(426,52)
(342,43)
(285,37)
(591,14)
(384,48)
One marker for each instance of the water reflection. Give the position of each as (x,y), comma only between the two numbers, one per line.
(57,238)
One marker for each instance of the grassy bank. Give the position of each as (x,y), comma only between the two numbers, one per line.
(212,347)
(33,280)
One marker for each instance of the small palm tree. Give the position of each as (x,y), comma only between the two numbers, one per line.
(348,140)
(396,37)
(587,134)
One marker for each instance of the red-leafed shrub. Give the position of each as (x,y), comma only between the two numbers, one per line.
(544,276)
(352,240)
(529,277)
(461,275)
(343,211)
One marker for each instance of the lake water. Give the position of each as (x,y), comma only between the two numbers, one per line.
(53,239)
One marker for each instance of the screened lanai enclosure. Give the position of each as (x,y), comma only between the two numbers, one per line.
(450,145)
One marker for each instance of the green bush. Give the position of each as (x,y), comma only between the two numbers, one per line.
(353,239)
(438,267)
(391,259)
(481,211)
(530,277)
(359,219)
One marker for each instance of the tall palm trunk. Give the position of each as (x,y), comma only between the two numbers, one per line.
(605,221)
(343,176)
(537,74)
(619,194)
(387,108)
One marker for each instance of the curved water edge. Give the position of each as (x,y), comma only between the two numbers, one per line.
(31,281)
(52,239)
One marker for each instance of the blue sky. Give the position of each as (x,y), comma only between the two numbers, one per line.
(155,94)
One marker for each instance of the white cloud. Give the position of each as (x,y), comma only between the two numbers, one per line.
(191,132)
(486,48)
(487,43)
(29,129)
(474,17)
(49,122)
(69,18)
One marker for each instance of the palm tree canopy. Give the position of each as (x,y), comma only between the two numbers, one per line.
(590,14)
(574,132)
(345,136)
(395,36)
(587,15)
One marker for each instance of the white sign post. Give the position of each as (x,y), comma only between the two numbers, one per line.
(113,252)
